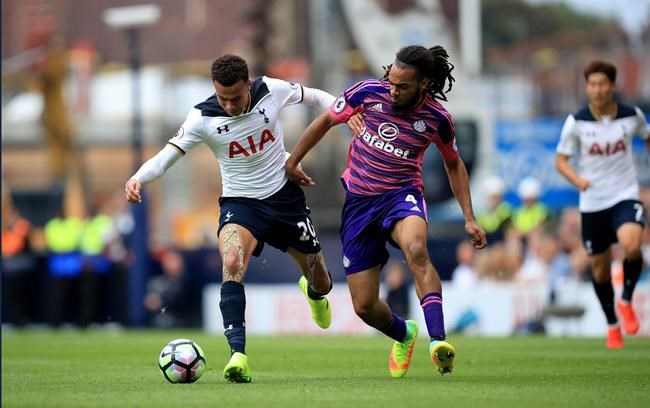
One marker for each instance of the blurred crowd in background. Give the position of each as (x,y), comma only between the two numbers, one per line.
(67,144)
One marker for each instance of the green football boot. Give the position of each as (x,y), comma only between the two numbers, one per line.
(399,358)
(321,312)
(442,356)
(237,369)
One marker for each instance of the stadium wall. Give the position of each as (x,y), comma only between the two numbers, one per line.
(489,309)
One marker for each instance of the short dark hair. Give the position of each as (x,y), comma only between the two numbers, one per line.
(432,63)
(229,69)
(603,67)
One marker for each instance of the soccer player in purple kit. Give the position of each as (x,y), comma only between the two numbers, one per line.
(384,199)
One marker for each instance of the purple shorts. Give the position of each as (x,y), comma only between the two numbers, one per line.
(367,222)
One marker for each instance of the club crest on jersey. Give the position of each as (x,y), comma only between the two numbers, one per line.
(419,126)
(339,104)
(263,113)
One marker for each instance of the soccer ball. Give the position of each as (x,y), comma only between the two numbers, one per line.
(181,361)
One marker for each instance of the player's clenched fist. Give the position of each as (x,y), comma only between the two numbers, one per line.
(132,191)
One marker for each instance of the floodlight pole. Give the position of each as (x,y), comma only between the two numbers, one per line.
(133,42)
(139,274)
(131,19)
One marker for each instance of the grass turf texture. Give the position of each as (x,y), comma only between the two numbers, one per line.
(99,369)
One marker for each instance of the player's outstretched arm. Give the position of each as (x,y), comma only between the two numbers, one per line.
(312,135)
(459,182)
(150,171)
(316,97)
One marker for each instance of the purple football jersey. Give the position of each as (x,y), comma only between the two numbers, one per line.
(388,155)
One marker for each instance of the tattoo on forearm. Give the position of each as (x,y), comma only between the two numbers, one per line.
(231,240)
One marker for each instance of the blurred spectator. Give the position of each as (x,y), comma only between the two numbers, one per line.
(645,244)
(570,243)
(63,238)
(116,250)
(169,298)
(464,275)
(96,269)
(397,295)
(503,260)
(558,264)
(532,213)
(17,263)
(497,217)
(645,250)
(534,268)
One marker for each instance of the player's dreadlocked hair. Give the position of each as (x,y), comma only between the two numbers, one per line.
(429,63)
(229,69)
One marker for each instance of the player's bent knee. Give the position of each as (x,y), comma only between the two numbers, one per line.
(365,310)
(232,264)
(417,256)
(632,253)
(363,313)
(631,248)
(416,252)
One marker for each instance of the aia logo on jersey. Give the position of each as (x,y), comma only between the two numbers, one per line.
(607,149)
(252,148)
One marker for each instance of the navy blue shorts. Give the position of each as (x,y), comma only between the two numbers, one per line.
(599,228)
(367,222)
(281,220)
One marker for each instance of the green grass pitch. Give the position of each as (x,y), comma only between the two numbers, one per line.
(101,369)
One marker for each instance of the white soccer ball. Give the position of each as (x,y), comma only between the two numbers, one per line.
(181,361)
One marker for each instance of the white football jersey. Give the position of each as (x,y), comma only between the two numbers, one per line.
(604,152)
(249,147)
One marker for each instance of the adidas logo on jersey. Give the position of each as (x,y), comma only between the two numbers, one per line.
(378,107)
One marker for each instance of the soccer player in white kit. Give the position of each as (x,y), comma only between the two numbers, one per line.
(600,136)
(259,204)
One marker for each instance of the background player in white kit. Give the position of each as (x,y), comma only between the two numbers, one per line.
(240,124)
(600,136)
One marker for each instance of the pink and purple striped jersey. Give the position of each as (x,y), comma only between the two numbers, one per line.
(388,155)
